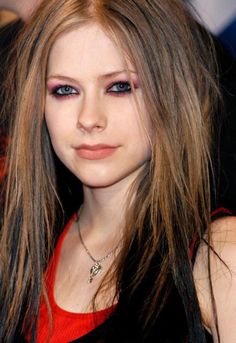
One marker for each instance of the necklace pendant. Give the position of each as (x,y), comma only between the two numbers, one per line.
(94,271)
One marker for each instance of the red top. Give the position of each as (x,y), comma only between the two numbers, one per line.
(66,326)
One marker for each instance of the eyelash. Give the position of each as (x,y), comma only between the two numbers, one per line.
(73,91)
(55,91)
(124,84)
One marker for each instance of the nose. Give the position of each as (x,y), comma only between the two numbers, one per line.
(91,117)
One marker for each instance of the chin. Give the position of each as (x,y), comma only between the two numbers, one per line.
(98,183)
(106,177)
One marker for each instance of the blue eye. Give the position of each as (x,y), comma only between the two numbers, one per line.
(64,91)
(120,87)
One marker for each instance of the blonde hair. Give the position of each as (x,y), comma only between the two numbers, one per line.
(173,58)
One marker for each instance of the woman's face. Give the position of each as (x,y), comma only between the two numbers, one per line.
(91,111)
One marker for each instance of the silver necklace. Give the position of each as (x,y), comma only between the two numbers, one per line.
(96,267)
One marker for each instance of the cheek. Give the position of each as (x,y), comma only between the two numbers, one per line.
(59,120)
(147,151)
(145,138)
(61,112)
(138,129)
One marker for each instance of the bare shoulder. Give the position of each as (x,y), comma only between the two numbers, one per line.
(224,228)
(217,262)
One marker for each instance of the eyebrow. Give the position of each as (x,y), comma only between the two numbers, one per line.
(105,76)
(115,73)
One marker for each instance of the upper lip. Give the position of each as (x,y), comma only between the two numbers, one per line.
(95,147)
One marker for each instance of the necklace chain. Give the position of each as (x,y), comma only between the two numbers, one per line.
(96,267)
(89,253)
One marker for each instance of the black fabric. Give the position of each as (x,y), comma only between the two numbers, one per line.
(125,325)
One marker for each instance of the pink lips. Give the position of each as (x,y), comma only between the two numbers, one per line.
(95,152)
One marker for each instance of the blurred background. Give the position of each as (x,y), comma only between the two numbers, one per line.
(219,16)
(6,17)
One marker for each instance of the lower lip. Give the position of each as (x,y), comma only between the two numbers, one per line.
(95,154)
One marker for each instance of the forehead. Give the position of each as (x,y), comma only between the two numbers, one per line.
(87,48)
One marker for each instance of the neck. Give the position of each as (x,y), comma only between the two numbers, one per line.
(104,209)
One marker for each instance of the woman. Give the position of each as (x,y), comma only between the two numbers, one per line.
(122,92)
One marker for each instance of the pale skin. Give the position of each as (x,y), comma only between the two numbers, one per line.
(89,101)
(223,280)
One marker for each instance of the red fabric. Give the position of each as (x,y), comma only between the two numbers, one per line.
(221,210)
(66,326)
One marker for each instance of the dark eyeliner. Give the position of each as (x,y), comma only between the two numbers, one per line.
(121,91)
(54,91)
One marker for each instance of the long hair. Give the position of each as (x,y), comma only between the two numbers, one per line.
(171,206)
